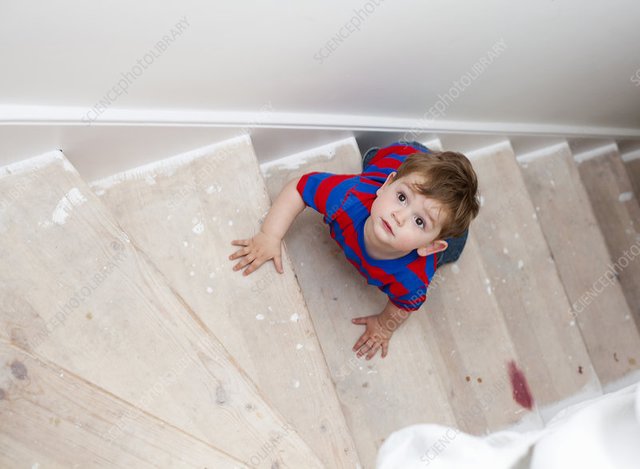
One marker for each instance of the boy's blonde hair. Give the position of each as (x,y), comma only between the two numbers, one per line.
(450,179)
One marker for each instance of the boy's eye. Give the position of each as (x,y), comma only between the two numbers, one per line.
(401,197)
(420,222)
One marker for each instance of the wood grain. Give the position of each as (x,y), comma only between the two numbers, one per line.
(523,277)
(184,214)
(618,213)
(76,291)
(51,418)
(580,253)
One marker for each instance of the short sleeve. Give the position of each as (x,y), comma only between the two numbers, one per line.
(409,295)
(325,192)
(410,302)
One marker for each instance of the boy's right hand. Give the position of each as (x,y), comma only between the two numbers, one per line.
(256,251)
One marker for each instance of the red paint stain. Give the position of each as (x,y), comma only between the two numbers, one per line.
(519,386)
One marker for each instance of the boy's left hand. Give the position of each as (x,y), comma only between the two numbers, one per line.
(375,336)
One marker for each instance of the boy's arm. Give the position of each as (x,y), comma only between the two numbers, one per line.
(392,317)
(379,329)
(267,243)
(284,210)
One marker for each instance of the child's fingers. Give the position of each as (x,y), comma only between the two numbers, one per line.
(255,265)
(240,242)
(250,269)
(238,253)
(362,320)
(385,349)
(373,351)
(244,262)
(241,263)
(366,347)
(363,338)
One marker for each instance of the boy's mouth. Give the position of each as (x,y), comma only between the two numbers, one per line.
(386,225)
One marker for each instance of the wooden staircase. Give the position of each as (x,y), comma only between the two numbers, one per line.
(80,293)
(128,341)
(185,211)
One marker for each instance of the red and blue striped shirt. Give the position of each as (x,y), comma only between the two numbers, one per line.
(345,201)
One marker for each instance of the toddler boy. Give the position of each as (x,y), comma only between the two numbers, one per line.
(406,214)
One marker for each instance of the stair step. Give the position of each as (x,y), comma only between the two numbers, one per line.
(469,330)
(380,395)
(618,213)
(632,165)
(78,292)
(578,248)
(184,212)
(73,424)
(524,280)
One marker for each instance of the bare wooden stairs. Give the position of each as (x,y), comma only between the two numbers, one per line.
(127,340)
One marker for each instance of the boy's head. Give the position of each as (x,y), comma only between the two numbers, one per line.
(433,196)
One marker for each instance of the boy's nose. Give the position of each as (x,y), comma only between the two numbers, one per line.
(398,217)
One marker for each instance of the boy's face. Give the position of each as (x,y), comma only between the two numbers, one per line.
(403,220)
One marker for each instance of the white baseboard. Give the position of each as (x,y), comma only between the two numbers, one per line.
(282,120)
(121,139)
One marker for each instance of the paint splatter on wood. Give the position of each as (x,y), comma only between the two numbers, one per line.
(18,370)
(519,386)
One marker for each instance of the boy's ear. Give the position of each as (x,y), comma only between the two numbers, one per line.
(389,180)
(438,245)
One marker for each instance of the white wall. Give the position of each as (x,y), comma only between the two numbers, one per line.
(563,64)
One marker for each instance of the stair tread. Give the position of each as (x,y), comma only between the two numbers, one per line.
(74,424)
(469,330)
(633,170)
(581,256)
(79,293)
(467,327)
(184,212)
(618,214)
(526,285)
(382,395)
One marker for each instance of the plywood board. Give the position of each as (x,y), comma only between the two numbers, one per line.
(462,318)
(578,247)
(75,290)
(523,277)
(184,212)
(618,213)
(633,170)
(51,418)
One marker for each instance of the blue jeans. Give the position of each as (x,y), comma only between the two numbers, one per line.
(456,245)
(372,151)
(453,251)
